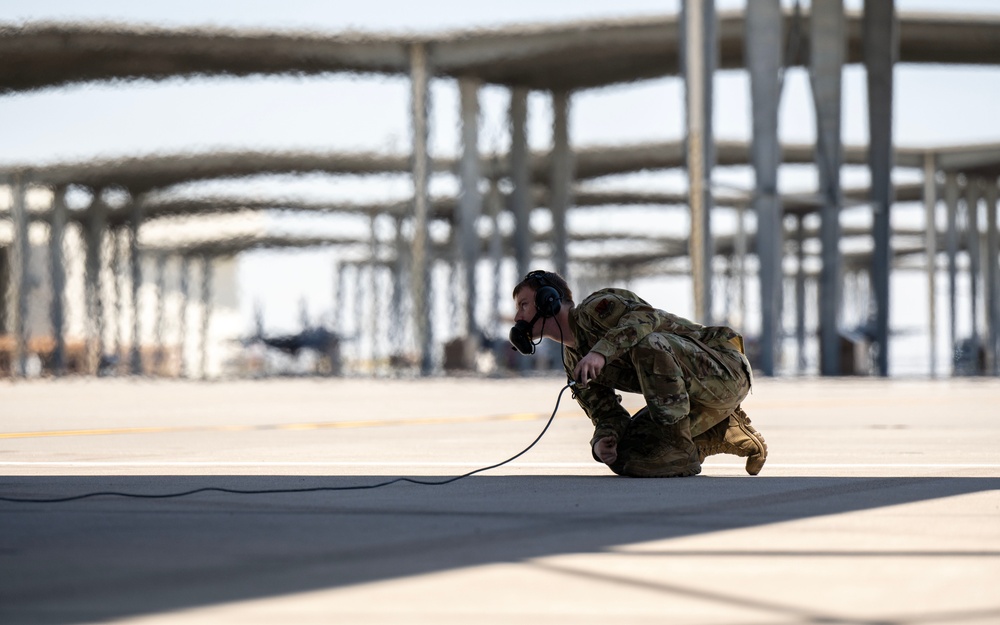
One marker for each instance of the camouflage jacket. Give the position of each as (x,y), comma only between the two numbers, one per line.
(611,322)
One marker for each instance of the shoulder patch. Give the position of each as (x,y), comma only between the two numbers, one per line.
(604,307)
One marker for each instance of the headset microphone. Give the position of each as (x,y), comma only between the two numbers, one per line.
(520,336)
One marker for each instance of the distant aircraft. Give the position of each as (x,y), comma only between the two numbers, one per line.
(317,338)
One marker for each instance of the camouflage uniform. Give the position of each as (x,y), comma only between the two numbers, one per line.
(689,374)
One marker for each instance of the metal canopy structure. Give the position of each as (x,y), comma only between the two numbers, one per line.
(143,174)
(147,173)
(559,59)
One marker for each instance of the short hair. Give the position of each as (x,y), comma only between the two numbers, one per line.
(537,279)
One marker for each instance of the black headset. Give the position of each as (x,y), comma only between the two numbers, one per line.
(548,301)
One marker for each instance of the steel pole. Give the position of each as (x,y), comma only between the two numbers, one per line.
(880,52)
(764,23)
(699,53)
(421,167)
(826,60)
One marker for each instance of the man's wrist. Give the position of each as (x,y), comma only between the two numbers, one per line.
(603,348)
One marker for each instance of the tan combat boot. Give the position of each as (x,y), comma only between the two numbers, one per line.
(734,436)
(654,450)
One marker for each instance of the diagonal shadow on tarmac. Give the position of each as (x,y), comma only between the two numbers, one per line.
(109,557)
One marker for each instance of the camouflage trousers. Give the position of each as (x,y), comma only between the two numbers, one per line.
(683,378)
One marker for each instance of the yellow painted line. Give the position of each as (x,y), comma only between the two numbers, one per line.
(524,416)
(87,432)
(371,423)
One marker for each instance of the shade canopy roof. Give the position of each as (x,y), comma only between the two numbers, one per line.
(560,57)
(146,173)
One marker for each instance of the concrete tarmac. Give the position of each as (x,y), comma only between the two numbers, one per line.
(879,503)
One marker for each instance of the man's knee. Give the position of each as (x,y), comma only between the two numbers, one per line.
(662,380)
(651,449)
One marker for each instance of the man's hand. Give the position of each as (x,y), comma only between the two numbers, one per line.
(588,368)
(606,449)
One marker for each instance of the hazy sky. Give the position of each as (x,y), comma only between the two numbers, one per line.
(941,105)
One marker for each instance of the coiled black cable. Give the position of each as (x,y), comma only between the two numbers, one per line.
(266,491)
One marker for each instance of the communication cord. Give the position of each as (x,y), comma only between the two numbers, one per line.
(301,490)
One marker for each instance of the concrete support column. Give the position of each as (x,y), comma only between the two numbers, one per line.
(96,226)
(973,192)
(161,296)
(135,271)
(397,332)
(560,180)
(764,23)
(420,73)
(336,298)
(375,315)
(341,310)
(520,177)
(951,193)
(501,348)
(19,282)
(881,45)
(57,272)
(494,203)
(800,295)
(699,51)
(207,301)
(826,60)
(992,275)
(738,311)
(470,201)
(117,315)
(930,242)
(185,287)
(363,312)
(359,313)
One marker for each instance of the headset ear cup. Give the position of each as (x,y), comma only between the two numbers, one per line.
(547,301)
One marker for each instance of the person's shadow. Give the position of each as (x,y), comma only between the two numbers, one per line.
(110,557)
